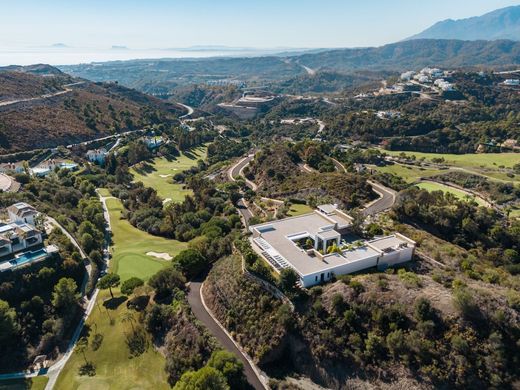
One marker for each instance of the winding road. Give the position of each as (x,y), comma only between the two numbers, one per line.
(236,171)
(203,314)
(66,89)
(190,110)
(386,195)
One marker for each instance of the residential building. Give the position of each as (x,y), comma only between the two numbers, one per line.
(49,166)
(443,85)
(97,155)
(22,212)
(407,76)
(19,233)
(512,82)
(9,167)
(388,114)
(153,141)
(319,246)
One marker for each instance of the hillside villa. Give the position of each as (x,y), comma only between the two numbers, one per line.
(20,241)
(97,155)
(319,246)
(48,166)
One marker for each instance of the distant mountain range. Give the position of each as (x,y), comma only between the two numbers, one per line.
(163,75)
(500,24)
(417,53)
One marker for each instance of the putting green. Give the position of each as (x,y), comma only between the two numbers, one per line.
(130,246)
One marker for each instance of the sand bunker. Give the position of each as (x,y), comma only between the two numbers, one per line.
(165,176)
(164,256)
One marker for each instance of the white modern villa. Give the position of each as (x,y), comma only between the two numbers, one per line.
(316,246)
(20,241)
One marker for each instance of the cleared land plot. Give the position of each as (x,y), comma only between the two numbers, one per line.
(115,369)
(410,174)
(298,209)
(131,245)
(432,186)
(158,174)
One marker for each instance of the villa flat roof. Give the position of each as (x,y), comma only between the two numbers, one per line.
(387,242)
(281,233)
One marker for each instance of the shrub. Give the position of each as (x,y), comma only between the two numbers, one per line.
(190,262)
(165,281)
(409,279)
(130,285)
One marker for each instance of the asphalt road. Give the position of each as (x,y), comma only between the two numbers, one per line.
(385,201)
(386,195)
(235,170)
(244,211)
(203,316)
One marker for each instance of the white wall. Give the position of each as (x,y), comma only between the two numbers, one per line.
(401,256)
(343,269)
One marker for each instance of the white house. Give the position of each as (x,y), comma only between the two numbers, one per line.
(388,114)
(512,82)
(153,142)
(12,167)
(443,85)
(315,246)
(19,233)
(22,213)
(407,76)
(49,166)
(97,155)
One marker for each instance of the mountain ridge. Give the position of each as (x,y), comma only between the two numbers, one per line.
(502,23)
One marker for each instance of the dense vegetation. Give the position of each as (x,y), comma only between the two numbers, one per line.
(278,172)
(40,304)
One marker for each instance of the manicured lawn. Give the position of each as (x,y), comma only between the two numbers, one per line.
(299,209)
(115,369)
(158,174)
(129,256)
(475,160)
(36,383)
(432,186)
(408,173)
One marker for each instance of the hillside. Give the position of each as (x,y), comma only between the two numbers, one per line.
(416,54)
(278,171)
(499,24)
(52,109)
(163,76)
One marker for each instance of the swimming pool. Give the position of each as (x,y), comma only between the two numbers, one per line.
(28,257)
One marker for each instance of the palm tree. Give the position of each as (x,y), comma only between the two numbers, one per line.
(81,347)
(128,316)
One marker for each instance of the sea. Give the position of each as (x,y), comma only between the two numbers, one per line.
(72,56)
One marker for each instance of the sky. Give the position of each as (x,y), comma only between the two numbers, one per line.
(153,24)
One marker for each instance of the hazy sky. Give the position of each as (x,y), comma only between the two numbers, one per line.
(259,23)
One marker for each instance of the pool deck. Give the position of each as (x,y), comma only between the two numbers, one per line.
(7,265)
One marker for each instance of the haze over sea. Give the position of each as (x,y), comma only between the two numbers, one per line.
(69,56)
